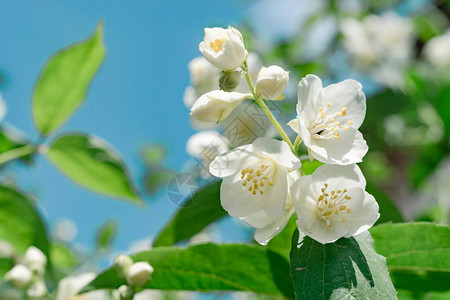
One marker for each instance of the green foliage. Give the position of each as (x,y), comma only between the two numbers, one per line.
(106,235)
(310,166)
(20,223)
(6,264)
(418,255)
(10,140)
(210,267)
(63,83)
(193,216)
(93,164)
(346,269)
(63,259)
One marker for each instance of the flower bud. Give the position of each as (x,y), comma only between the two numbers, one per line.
(230,80)
(37,290)
(35,260)
(122,264)
(126,292)
(19,276)
(215,106)
(140,273)
(271,82)
(224,48)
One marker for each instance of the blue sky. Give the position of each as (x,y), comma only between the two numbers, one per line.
(135,99)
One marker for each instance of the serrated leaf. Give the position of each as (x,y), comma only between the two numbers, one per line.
(210,267)
(193,216)
(106,235)
(93,164)
(346,269)
(20,223)
(63,83)
(418,254)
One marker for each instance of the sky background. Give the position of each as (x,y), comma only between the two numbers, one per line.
(135,99)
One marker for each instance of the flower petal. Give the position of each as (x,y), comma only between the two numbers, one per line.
(233,161)
(365,212)
(279,151)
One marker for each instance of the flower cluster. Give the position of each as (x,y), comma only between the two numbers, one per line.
(263,181)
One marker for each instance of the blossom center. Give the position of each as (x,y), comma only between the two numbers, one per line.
(332,203)
(256,179)
(217,45)
(327,124)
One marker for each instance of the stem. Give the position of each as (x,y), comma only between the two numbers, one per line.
(16,153)
(267,111)
(297,142)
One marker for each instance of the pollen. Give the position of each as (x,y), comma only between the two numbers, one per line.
(328,123)
(331,203)
(217,45)
(259,176)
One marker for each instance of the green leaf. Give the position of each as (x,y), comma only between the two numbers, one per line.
(93,164)
(6,264)
(12,142)
(193,216)
(388,211)
(106,235)
(63,83)
(346,269)
(154,155)
(418,254)
(20,223)
(210,267)
(64,260)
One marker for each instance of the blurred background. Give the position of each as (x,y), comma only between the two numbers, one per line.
(139,101)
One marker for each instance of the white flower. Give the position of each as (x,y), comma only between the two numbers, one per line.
(268,226)
(328,120)
(215,106)
(140,273)
(35,260)
(437,50)
(271,82)
(380,43)
(206,145)
(332,203)
(6,249)
(69,287)
(19,276)
(224,48)
(255,177)
(204,76)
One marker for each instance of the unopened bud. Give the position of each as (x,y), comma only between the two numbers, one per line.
(122,264)
(271,82)
(126,292)
(19,276)
(230,80)
(35,260)
(37,290)
(140,273)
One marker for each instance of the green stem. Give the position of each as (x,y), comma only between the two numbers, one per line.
(297,142)
(266,110)
(16,153)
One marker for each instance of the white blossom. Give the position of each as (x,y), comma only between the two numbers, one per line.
(332,203)
(328,120)
(19,276)
(122,264)
(255,177)
(268,226)
(69,287)
(37,290)
(224,48)
(437,50)
(215,106)
(140,273)
(271,82)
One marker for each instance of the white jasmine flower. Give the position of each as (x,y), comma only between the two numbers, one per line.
(224,48)
(255,177)
(268,226)
(35,260)
(69,287)
(437,50)
(122,264)
(215,106)
(19,276)
(380,43)
(204,76)
(271,82)
(206,145)
(329,118)
(6,249)
(140,273)
(37,290)
(332,203)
